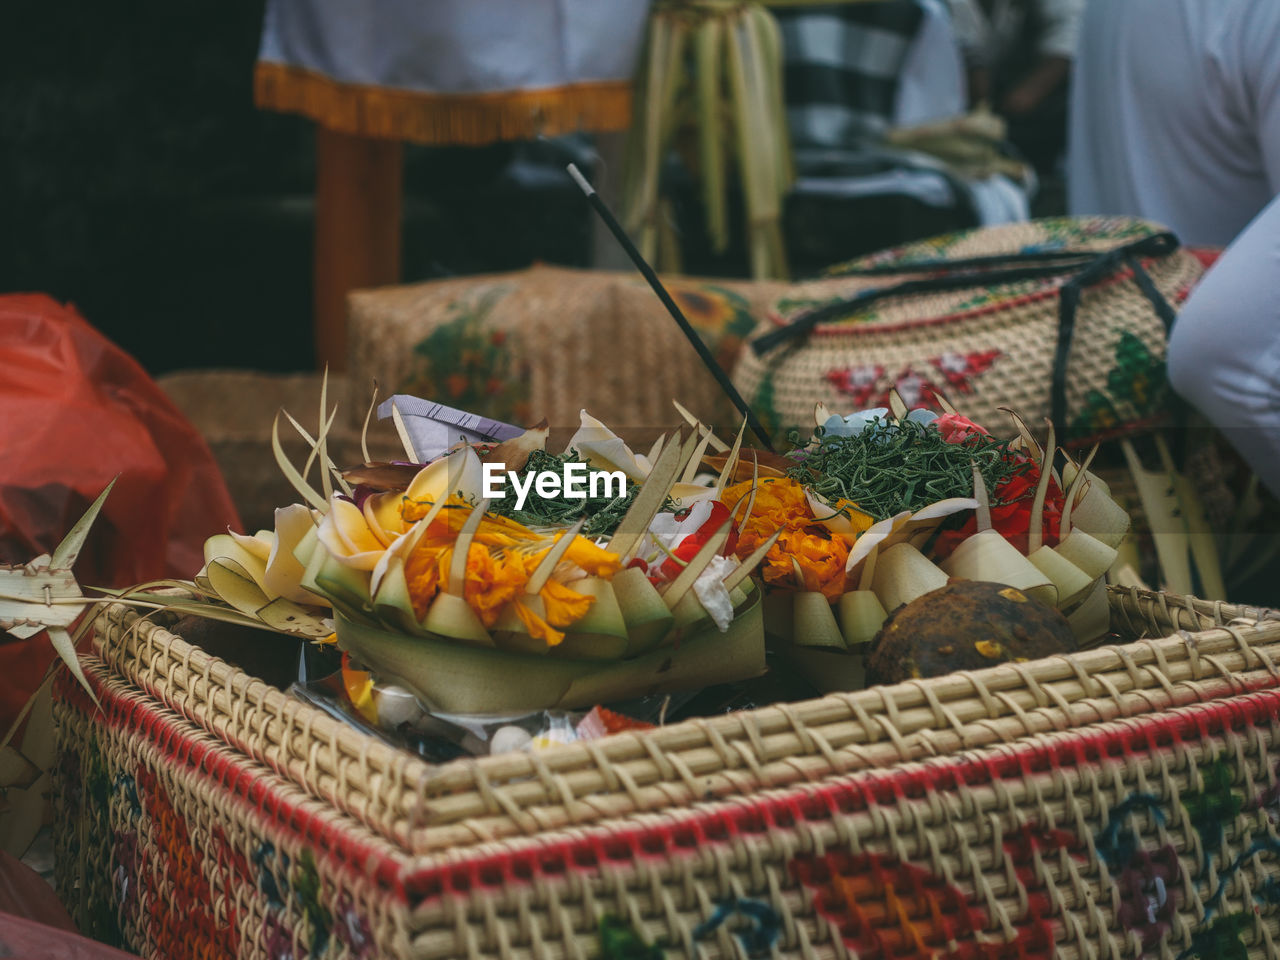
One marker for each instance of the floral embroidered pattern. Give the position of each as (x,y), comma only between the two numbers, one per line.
(1137,389)
(885,908)
(184,919)
(352,930)
(618,941)
(866,385)
(278,937)
(279,878)
(857,382)
(1215,804)
(306,888)
(722,317)
(757,936)
(466,364)
(1146,880)
(960,370)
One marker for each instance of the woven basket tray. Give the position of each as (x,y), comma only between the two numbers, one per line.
(1081,806)
(427,809)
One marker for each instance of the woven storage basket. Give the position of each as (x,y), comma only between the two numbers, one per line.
(975,802)
(983,344)
(547,342)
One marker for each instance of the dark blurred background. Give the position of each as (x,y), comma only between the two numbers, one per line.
(138,181)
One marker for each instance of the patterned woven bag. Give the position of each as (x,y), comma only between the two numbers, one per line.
(1061,317)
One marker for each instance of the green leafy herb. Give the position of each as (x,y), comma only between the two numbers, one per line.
(603,513)
(893,466)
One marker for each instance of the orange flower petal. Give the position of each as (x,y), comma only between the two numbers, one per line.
(537,627)
(564,605)
(594,560)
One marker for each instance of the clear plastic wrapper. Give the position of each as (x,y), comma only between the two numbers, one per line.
(392,713)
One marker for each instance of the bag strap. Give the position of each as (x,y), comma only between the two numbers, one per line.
(1069,301)
(1066,257)
(1086,268)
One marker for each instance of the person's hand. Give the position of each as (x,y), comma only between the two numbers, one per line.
(1050,73)
(1020,100)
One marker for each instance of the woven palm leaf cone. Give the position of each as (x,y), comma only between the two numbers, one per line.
(1179,530)
(733,96)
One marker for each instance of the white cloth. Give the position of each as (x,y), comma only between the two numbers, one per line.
(932,84)
(1224,352)
(457,46)
(932,87)
(998,199)
(1175,113)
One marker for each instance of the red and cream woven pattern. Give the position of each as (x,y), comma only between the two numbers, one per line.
(1112,803)
(982,346)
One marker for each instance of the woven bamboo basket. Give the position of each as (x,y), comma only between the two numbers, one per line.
(548,342)
(1081,805)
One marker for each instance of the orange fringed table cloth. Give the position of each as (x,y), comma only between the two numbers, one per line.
(452,71)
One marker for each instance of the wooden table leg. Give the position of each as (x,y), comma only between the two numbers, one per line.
(359,183)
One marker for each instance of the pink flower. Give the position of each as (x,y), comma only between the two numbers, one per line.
(957,429)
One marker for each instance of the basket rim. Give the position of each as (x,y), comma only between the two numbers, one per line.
(1066,766)
(1201,650)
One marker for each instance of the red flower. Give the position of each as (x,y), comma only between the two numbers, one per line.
(1012,518)
(688,547)
(957,429)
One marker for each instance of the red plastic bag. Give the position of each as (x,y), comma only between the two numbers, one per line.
(24,893)
(76,411)
(29,940)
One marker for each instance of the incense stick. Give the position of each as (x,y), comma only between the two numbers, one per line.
(646,271)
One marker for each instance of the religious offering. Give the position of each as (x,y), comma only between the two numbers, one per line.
(486,575)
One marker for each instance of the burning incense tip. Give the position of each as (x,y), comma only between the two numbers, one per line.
(580,180)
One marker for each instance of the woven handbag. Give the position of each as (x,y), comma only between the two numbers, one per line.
(1065,318)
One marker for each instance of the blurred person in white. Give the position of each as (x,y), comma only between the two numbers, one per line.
(1175,114)
(1224,351)
(1019,55)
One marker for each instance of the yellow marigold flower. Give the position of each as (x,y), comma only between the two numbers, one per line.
(859,521)
(494,539)
(411,511)
(596,561)
(820,557)
(565,606)
(492,582)
(593,560)
(820,553)
(779,503)
(505,526)
(497,572)
(422,571)
(537,627)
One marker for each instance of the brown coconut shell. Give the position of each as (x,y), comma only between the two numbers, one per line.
(966,625)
